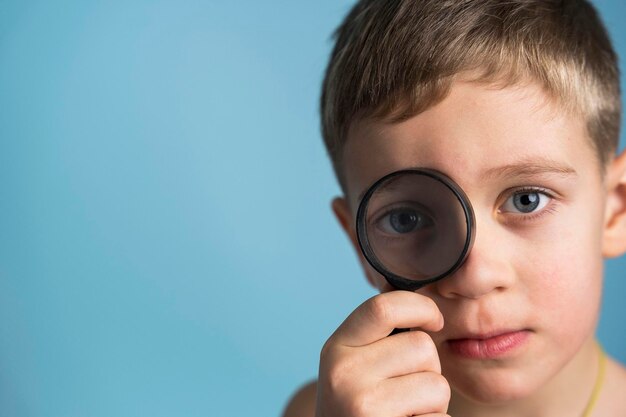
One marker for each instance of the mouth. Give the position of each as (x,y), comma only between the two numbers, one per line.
(493,345)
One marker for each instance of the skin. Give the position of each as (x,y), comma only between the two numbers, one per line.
(539,272)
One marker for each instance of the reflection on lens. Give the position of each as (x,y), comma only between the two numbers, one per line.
(414,225)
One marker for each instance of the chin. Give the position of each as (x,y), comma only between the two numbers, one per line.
(493,388)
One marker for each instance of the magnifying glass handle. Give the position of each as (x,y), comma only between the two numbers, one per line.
(396,331)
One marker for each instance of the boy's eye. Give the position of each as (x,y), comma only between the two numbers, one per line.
(404,220)
(525,202)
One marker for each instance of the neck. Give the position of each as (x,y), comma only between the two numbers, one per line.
(566,394)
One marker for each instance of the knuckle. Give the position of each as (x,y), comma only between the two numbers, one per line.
(380,309)
(341,373)
(327,350)
(420,339)
(360,404)
(328,358)
(423,343)
(440,389)
(336,367)
(425,349)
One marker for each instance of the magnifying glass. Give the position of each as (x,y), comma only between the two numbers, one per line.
(415,227)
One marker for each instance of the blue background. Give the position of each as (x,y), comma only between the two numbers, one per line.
(167,245)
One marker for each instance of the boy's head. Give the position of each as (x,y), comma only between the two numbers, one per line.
(395,59)
(517,102)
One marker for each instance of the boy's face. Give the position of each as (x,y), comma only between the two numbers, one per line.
(540,271)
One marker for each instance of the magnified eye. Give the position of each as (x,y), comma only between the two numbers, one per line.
(526,202)
(404,220)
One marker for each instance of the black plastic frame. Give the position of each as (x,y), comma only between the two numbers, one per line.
(397,281)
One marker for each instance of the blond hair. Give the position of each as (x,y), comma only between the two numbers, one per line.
(393,59)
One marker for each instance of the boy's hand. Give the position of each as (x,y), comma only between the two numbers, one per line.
(363,372)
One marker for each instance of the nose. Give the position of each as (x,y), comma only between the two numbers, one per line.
(487,268)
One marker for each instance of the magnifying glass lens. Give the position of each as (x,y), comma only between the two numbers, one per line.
(415,225)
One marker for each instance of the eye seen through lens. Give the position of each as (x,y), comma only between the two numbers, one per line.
(414,227)
(404,220)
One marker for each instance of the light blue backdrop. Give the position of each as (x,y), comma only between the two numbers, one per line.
(167,246)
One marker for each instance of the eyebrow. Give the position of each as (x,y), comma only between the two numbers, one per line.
(525,168)
(529,168)
(388,188)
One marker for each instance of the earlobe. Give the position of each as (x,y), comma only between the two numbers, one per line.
(614,238)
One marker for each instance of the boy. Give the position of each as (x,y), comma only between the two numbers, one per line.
(518,102)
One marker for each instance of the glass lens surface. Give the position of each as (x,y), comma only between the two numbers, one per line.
(415,225)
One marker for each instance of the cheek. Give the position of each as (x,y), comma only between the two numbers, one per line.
(375,278)
(564,283)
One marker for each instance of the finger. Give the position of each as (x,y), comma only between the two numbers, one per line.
(414,394)
(377,317)
(399,355)
(434,415)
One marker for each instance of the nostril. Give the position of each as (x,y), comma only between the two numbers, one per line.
(476,278)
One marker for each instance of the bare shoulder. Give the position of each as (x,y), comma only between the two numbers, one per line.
(612,401)
(302,403)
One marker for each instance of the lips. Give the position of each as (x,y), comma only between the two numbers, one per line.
(492,345)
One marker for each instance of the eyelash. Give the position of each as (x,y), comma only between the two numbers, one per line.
(534,216)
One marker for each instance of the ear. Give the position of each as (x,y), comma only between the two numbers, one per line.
(614,237)
(342,211)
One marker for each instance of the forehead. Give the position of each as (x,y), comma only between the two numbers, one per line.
(477,130)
